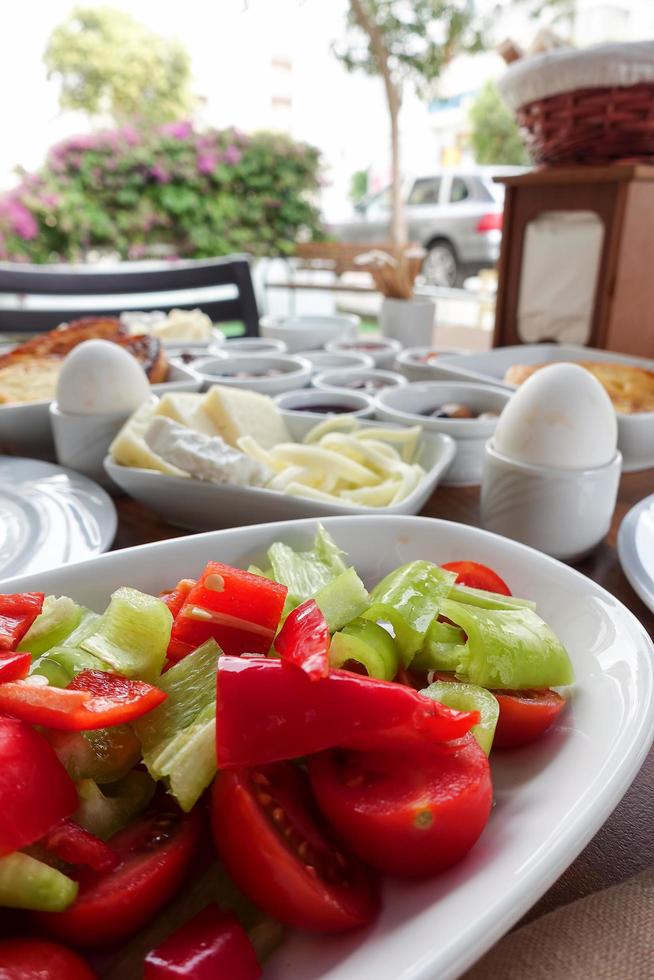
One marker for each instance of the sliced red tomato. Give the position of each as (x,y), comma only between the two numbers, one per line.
(304,640)
(39,959)
(155,853)
(410,816)
(271,840)
(71,843)
(212,945)
(36,792)
(17,613)
(342,708)
(177,597)
(477,576)
(93,699)
(14,666)
(525,716)
(239,610)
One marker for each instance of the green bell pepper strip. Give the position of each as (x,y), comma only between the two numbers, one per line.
(61,664)
(105,811)
(409,599)
(104,754)
(132,635)
(488,600)
(26,883)
(178,743)
(469,697)
(443,648)
(511,649)
(59,617)
(342,599)
(367,644)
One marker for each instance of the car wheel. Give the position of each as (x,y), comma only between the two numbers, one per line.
(440,267)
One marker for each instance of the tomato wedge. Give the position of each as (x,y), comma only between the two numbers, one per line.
(71,843)
(404,816)
(14,666)
(93,699)
(239,610)
(525,716)
(304,640)
(342,708)
(155,853)
(39,959)
(477,576)
(17,613)
(212,945)
(271,840)
(36,792)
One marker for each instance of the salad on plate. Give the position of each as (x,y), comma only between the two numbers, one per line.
(185,776)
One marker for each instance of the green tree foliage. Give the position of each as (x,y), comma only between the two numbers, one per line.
(110,65)
(495,136)
(199,193)
(358,186)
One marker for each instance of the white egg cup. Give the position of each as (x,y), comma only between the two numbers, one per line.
(559,510)
(82,441)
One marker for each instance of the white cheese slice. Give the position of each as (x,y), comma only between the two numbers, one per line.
(130,449)
(186,408)
(236,412)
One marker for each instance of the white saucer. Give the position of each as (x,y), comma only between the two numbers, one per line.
(50,516)
(636,549)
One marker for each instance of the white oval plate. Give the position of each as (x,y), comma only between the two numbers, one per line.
(50,516)
(636,549)
(550,798)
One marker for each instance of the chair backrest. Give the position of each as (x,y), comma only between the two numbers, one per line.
(40,297)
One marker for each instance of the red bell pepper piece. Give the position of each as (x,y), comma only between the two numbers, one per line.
(266,712)
(304,640)
(239,610)
(17,613)
(69,842)
(212,945)
(14,666)
(36,792)
(177,597)
(93,699)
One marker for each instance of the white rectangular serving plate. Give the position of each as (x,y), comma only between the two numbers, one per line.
(25,429)
(550,798)
(635,432)
(202,506)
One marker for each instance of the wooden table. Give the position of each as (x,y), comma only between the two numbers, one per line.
(625,844)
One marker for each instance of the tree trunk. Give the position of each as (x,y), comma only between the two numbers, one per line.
(393,98)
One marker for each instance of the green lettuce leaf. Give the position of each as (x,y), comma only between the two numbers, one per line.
(305,573)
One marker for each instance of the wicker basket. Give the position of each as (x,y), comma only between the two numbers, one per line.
(592,125)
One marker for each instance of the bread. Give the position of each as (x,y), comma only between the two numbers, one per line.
(630,388)
(29,372)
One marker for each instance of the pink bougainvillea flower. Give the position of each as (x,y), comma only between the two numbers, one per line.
(232,155)
(160,174)
(207,163)
(178,130)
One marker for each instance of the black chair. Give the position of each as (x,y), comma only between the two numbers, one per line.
(34,298)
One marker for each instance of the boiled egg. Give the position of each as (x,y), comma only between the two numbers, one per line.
(100,378)
(561,416)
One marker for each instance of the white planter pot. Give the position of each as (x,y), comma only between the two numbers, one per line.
(411,321)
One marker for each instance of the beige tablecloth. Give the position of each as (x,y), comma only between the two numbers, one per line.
(606,936)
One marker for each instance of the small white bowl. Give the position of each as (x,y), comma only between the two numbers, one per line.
(383,350)
(324,360)
(82,441)
(308,332)
(407,405)
(254,345)
(560,511)
(366,380)
(412,363)
(249,371)
(319,403)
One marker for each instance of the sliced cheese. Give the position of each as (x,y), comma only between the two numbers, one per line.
(236,412)
(186,408)
(129,448)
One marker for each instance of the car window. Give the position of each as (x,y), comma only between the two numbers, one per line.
(459,190)
(425,191)
(380,203)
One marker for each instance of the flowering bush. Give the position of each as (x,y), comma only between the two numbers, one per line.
(199,194)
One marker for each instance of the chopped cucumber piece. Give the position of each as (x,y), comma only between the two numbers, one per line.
(512,649)
(105,811)
(443,648)
(368,644)
(60,664)
(26,883)
(469,697)
(178,737)
(60,616)
(343,599)
(488,600)
(105,755)
(133,634)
